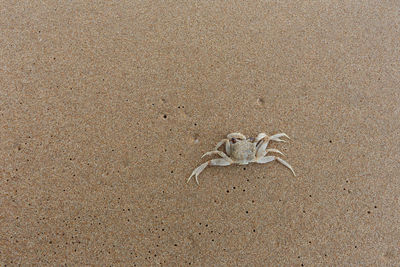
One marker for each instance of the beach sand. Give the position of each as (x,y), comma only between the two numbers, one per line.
(107,107)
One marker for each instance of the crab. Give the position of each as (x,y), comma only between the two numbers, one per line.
(242,150)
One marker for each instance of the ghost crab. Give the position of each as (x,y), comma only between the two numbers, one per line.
(241,150)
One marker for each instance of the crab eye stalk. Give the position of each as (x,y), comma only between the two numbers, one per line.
(233,140)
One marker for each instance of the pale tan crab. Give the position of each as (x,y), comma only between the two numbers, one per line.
(241,150)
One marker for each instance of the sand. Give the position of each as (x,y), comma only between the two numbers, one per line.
(107,106)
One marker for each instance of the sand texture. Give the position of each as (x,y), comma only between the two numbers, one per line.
(107,106)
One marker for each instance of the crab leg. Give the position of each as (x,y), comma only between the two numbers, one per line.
(261,152)
(272,150)
(275,137)
(220,153)
(260,136)
(272,158)
(263,139)
(213,162)
(227,145)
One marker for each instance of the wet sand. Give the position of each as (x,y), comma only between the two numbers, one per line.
(107,107)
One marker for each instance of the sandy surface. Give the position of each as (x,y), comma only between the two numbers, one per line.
(107,106)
